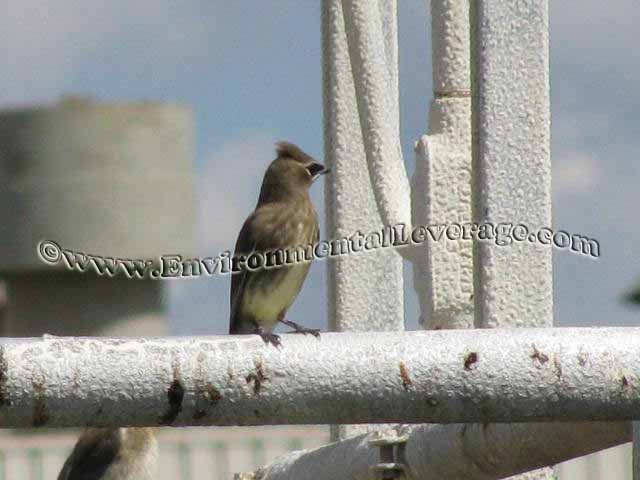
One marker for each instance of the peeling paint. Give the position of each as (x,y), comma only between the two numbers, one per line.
(211,395)
(557,365)
(360,373)
(538,355)
(257,378)
(582,359)
(625,382)
(404,375)
(175,396)
(470,359)
(40,417)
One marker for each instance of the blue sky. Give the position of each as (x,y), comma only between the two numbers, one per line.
(251,71)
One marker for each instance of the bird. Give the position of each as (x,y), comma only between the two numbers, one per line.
(284,217)
(113,454)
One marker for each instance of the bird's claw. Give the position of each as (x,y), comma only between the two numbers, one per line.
(300,329)
(303,330)
(269,338)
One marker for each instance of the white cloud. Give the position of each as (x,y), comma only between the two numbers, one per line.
(228,189)
(575,173)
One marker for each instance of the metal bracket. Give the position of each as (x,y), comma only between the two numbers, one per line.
(391,445)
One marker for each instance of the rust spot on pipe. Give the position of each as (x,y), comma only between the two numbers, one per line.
(4,370)
(404,375)
(582,359)
(40,417)
(558,365)
(470,359)
(211,395)
(257,377)
(538,355)
(625,382)
(175,395)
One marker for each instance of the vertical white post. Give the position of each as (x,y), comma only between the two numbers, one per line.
(365,290)
(441,185)
(511,163)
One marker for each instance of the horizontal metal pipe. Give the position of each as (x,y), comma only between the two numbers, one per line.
(469,451)
(454,376)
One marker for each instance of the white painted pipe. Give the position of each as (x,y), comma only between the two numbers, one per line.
(472,452)
(493,375)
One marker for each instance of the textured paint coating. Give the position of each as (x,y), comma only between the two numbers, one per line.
(365,289)
(511,162)
(589,374)
(511,159)
(441,185)
(470,452)
(377,101)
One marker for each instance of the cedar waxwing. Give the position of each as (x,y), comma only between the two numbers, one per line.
(283,219)
(113,454)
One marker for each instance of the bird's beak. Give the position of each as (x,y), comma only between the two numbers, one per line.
(317,169)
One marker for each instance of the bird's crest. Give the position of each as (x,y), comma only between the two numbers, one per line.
(287,149)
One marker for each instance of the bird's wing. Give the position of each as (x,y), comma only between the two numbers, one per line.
(95,451)
(245,244)
(316,235)
(266,230)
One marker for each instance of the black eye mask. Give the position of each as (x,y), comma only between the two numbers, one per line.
(316,169)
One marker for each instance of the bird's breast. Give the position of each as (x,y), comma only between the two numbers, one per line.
(273,293)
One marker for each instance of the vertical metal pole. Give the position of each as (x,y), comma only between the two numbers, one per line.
(366,290)
(511,160)
(511,164)
(441,194)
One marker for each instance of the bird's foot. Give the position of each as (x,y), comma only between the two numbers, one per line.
(268,337)
(300,329)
